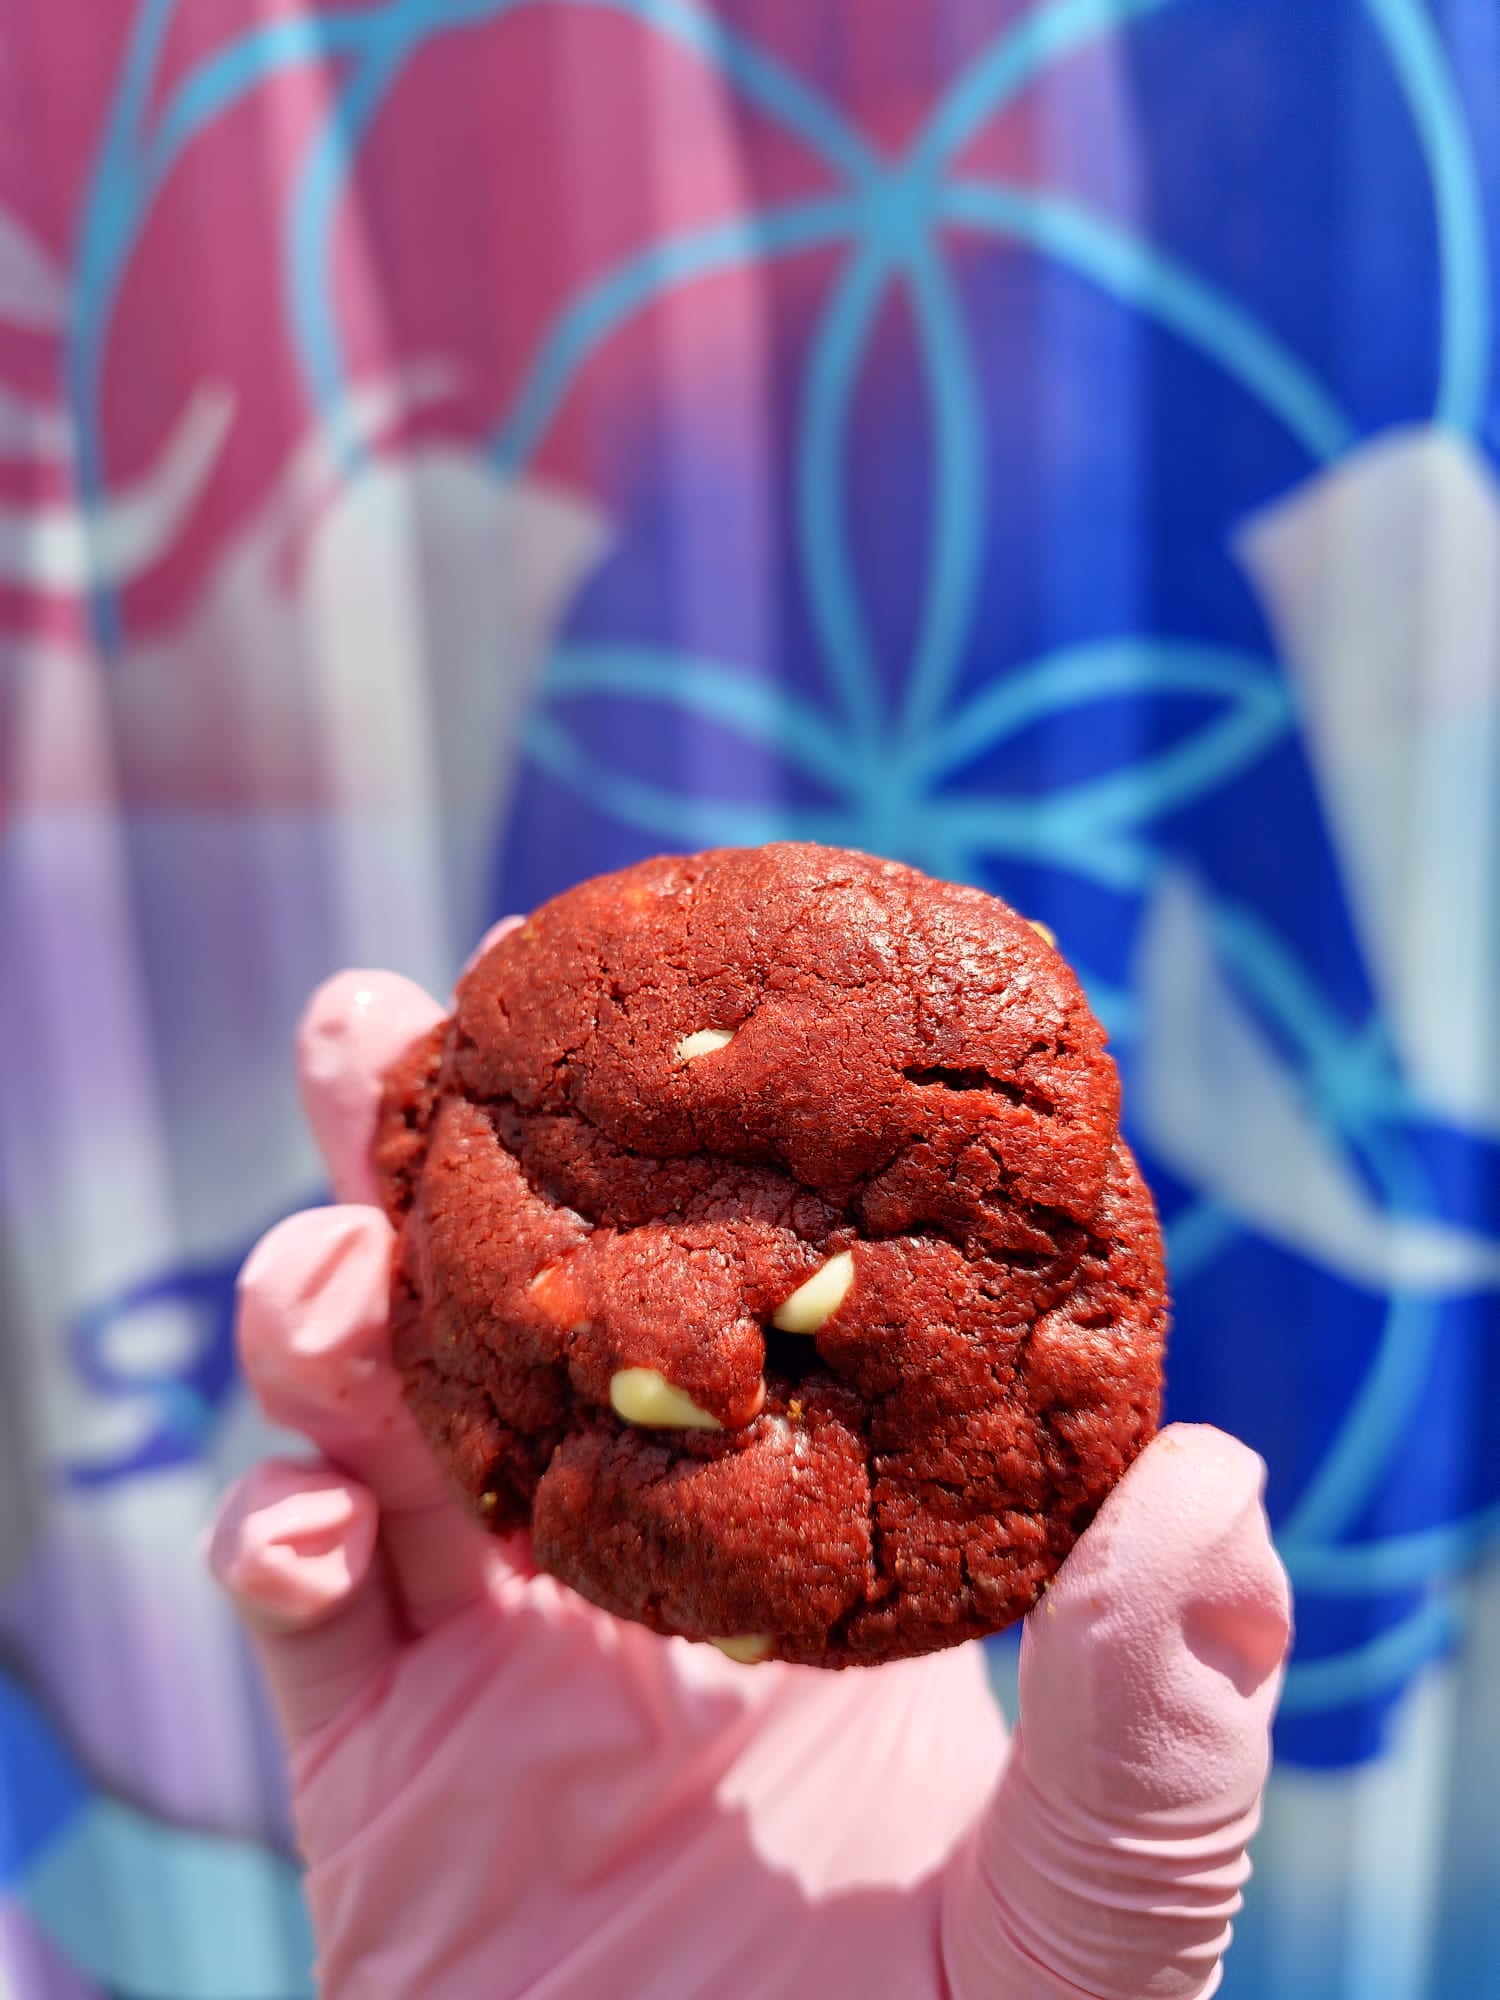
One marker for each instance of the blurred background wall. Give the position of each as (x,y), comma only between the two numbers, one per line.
(448,447)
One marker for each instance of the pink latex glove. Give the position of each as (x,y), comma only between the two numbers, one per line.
(502,1791)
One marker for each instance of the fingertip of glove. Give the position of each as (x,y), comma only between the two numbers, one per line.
(312,1323)
(1181,1552)
(352,1030)
(491,938)
(292,1542)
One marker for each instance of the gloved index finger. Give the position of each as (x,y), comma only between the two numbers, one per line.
(354,1028)
(314,1341)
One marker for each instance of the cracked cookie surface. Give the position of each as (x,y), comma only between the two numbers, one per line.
(767,1246)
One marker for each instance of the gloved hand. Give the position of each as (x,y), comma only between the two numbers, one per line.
(502,1791)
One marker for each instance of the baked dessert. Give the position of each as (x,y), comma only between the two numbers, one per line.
(768,1248)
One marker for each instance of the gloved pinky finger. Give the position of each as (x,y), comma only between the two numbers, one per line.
(296,1547)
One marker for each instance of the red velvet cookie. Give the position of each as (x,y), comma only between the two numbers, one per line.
(767,1246)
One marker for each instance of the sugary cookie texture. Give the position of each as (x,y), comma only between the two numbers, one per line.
(768,1248)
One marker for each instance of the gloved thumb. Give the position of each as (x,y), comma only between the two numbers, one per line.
(1112,1857)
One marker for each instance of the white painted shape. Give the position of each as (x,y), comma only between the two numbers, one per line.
(60,547)
(163,1337)
(1381,578)
(431,595)
(1224,1113)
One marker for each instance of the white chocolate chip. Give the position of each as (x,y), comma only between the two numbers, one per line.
(1044,931)
(817,1299)
(704,1043)
(747,1648)
(643,1397)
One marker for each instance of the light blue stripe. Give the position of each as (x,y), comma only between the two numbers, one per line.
(1395,1562)
(1146,279)
(216,86)
(1313,1686)
(680,819)
(1080,674)
(151,1909)
(1025,830)
(1079,825)
(774,715)
(1277,982)
(606,305)
(832,590)
(137,74)
(1019,54)
(1375,1423)
(958,495)
(1421,65)
(1160,784)
(309,246)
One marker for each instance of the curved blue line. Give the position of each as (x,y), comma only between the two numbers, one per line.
(1375,1422)
(1378,1413)
(1079,821)
(828,571)
(610,301)
(1395,1562)
(1025,830)
(957,527)
(1078,674)
(761,80)
(763,709)
(309,258)
(1374,1669)
(120,189)
(1421,65)
(1016,56)
(218,84)
(1279,986)
(685,821)
(1144,278)
(137,73)
(1159,784)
